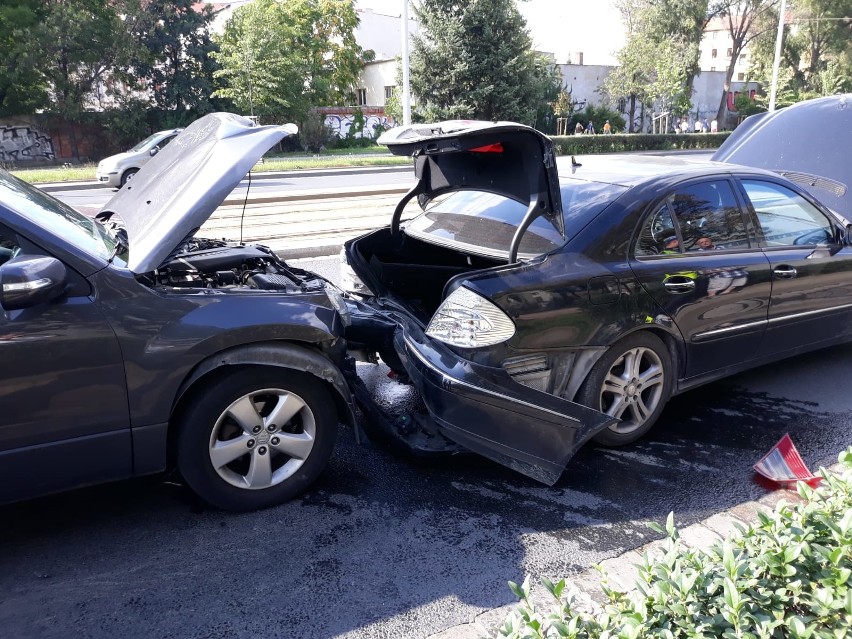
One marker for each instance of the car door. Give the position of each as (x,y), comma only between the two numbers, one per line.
(811,267)
(63,401)
(695,254)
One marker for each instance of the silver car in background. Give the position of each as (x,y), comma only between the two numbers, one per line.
(116,170)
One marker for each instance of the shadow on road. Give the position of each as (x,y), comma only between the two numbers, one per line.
(387,546)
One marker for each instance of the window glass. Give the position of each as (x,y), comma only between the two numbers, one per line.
(709,217)
(56,217)
(785,217)
(482,220)
(658,235)
(8,245)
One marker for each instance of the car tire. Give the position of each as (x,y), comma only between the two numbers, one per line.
(633,381)
(127,176)
(235,457)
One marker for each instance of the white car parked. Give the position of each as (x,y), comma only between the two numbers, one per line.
(117,169)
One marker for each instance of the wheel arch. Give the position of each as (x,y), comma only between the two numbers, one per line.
(673,343)
(298,358)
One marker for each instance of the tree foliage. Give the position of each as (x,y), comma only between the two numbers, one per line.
(474,59)
(22,89)
(816,56)
(175,58)
(279,59)
(660,58)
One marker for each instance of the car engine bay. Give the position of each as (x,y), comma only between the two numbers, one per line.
(214,264)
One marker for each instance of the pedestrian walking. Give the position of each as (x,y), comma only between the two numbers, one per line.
(578,130)
(607,128)
(591,128)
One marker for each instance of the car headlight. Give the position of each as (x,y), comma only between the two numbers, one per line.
(348,280)
(468,320)
(339,304)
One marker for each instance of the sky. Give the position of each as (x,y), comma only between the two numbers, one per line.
(561,27)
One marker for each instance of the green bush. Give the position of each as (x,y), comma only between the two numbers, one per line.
(788,576)
(618,143)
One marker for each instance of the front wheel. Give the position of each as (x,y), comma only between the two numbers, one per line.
(256,438)
(127,176)
(632,382)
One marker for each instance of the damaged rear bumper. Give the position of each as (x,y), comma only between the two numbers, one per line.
(484,410)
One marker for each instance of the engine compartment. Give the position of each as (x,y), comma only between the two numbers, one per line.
(215,264)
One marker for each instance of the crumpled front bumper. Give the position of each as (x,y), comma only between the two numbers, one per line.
(484,410)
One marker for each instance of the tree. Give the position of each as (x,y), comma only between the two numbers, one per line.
(279,59)
(22,88)
(816,56)
(474,59)
(660,58)
(824,31)
(79,43)
(744,20)
(177,64)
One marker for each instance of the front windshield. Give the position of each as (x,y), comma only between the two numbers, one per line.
(147,143)
(486,223)
(55,217)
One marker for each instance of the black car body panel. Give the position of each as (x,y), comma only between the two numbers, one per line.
(765,290)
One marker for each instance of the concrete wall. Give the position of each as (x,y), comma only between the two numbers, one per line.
(708,87)
(27,140)
(340,119)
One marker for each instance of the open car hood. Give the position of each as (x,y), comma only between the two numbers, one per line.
(808,142)
(180,187)
(504,158)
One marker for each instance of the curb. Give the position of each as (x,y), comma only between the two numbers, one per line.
(622,570)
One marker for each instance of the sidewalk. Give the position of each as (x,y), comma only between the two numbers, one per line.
(622,570)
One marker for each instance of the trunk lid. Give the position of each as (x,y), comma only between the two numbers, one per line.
(505,158)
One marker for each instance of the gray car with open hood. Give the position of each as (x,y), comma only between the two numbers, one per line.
(133,347)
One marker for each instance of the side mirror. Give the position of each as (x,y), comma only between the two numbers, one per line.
(30,280)
(154,151)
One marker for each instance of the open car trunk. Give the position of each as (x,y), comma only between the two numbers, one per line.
(465,401)
(413,272)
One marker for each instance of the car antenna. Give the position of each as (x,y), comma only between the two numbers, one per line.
(245,201)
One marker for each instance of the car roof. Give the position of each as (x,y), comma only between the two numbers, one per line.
(632,169)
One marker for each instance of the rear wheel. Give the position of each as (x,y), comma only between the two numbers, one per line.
(256,438)
(632,381)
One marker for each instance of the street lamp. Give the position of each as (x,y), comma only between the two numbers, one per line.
(406,90)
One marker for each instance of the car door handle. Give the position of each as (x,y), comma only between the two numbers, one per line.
(679,284)
(787,272)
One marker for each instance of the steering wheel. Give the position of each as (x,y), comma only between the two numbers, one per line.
(817,236)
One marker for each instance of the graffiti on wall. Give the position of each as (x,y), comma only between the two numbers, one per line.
(341,124)
(22,143)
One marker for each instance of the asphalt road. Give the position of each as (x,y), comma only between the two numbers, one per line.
(263,186)
(386,546)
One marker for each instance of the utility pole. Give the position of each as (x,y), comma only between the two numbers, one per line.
(406,90)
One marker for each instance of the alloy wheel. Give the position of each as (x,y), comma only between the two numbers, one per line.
(262,438)
(633,388)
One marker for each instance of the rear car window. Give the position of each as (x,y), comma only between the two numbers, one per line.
(487,222)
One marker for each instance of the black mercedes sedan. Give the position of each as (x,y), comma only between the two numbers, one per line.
(537,304)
